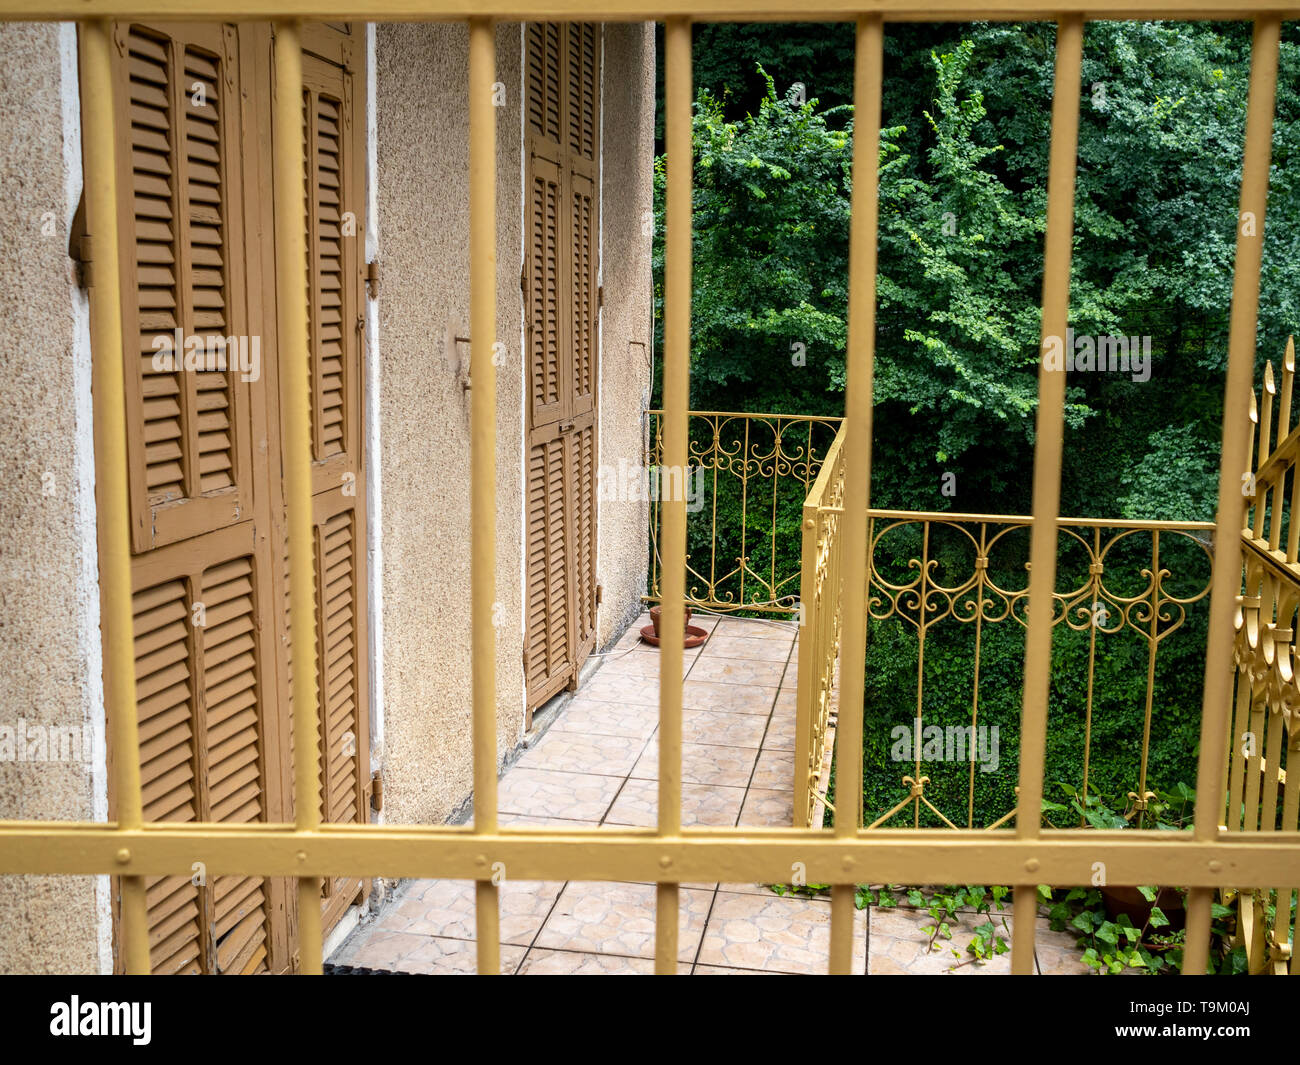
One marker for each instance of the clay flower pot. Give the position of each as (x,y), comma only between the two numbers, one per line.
(654,618)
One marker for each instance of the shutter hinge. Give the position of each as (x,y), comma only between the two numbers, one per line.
(600,296)
(523,278)
(377,790)
(372,279)
(600,593)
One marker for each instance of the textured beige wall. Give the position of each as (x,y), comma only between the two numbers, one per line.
(423,224)
(628,141)
(47,592)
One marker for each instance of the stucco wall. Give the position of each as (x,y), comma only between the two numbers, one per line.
(627,136)
(423,224)
(48,600)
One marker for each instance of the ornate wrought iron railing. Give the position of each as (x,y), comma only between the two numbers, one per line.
(746,481)
(1264,730)
(819,632)
(940,584)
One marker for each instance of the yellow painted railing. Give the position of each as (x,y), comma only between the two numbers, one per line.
(1262,780)
(747,479)
(819,632)
(1213,857)
(933,575)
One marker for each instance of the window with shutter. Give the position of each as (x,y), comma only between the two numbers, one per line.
(207,512)
(562,202)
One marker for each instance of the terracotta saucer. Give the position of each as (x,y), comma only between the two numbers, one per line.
(694,636)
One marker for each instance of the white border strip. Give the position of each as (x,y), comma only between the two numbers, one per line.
(83,492)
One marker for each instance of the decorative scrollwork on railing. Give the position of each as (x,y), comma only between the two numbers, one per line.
(927,570)
(749,475)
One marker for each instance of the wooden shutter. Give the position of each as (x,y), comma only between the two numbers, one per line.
(204,661)
(183,268)
(207,740)
(561,272)
(333,125)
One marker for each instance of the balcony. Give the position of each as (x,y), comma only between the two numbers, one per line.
(760,709)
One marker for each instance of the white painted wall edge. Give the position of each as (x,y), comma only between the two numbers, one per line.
(373,456)
(83,491)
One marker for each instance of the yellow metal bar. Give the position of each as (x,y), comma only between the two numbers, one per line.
(1235,461)
(676,387)
(1049,436)
(291,312)
(109,384)
(629,10)
(867,77)
(732,855)
(483,463)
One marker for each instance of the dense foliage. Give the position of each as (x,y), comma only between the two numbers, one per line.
(963,163)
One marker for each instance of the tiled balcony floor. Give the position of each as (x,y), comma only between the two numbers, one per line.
(596,766)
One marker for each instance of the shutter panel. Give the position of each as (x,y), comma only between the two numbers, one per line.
(188,438)
(562,225)
(209,736)
(581,83)
(545,342)
(548,663)
(165,697)
(333,116)
(234,754)
(543,64)
(203,740)
(334,205)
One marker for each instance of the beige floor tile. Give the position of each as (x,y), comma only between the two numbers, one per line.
(547,793)
(1058,953)
(788,697)
(764,807)
(702,804)
(446,908)
(572,752)
(774,771)
(640,664)
(629,689)
(727,730)
(739,647)
(703,763)
(757,629)
(737,671)
(721,970)
(781,730)
(408,953)
(788,934)
(616,918)
(574,963)
(727,697)
(591,717)
(900,942)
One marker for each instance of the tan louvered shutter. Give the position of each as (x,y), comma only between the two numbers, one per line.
(333,116)
(183,264)
(210,740)
(206,729)
(562,226)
